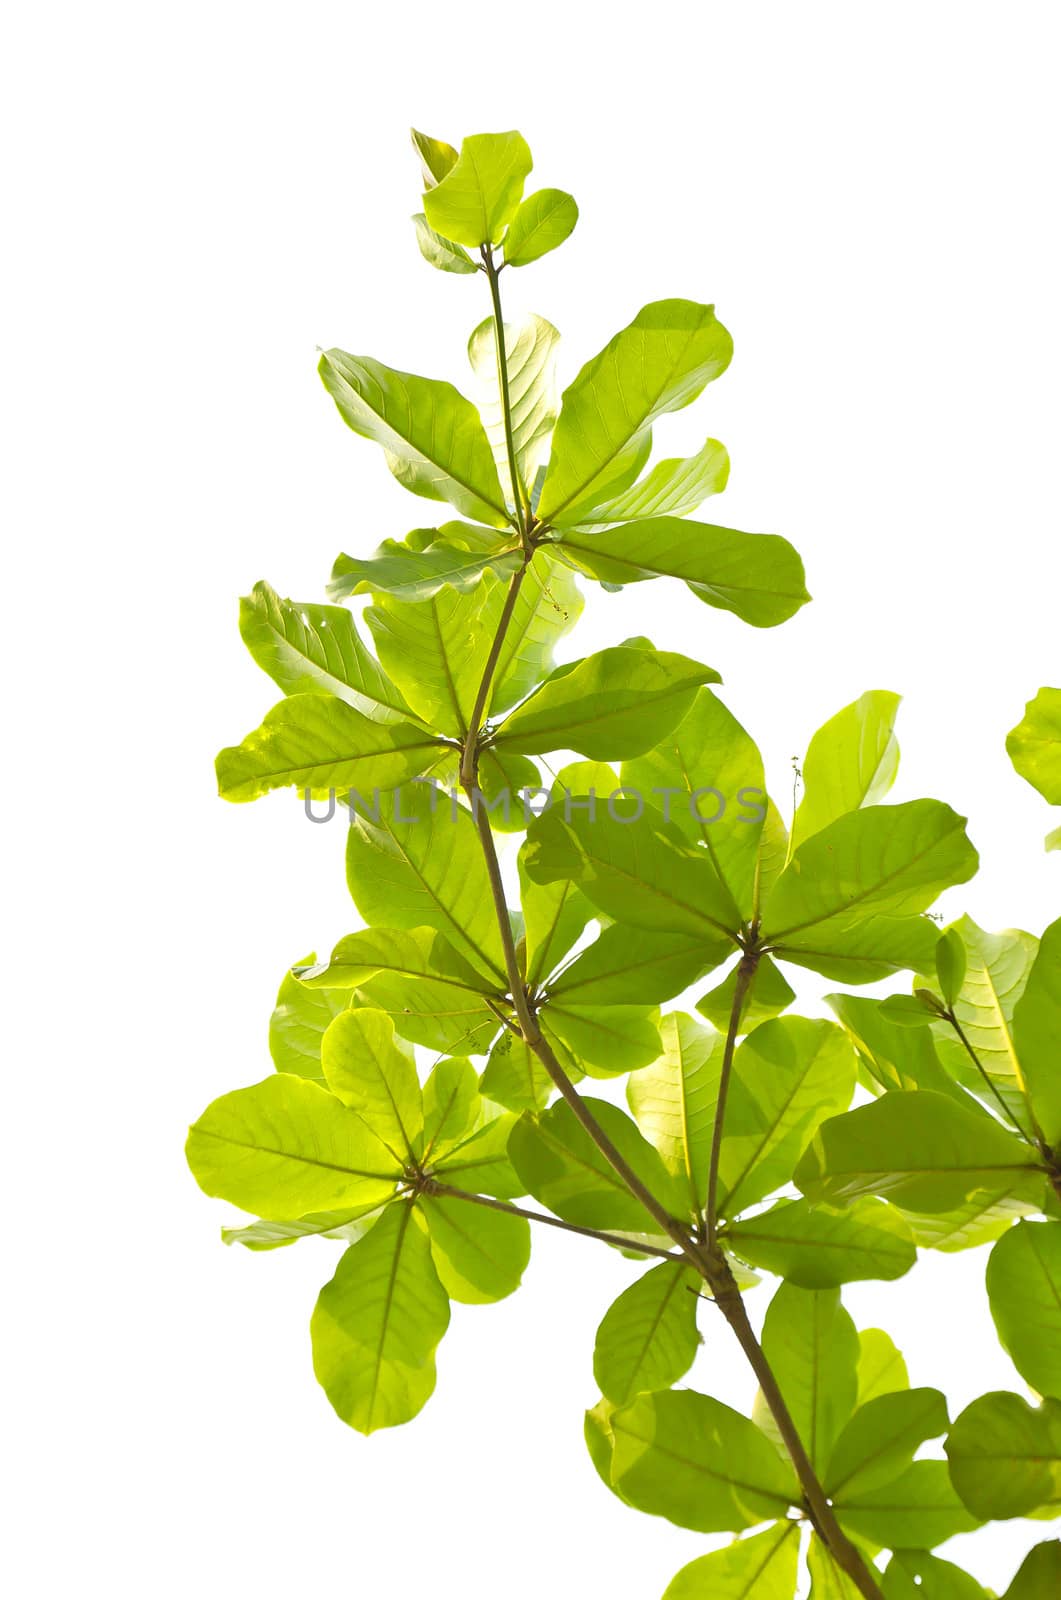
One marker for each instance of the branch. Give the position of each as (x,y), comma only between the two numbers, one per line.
(435,1187)
(745,973)
(506,402)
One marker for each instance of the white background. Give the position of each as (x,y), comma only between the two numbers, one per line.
(196,196)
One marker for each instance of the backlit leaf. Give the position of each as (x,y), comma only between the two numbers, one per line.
(648,1337)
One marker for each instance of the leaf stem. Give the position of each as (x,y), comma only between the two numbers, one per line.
(492,273)
(435,1186)
(749,963)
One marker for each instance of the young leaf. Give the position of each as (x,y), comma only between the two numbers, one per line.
(850,762)
(760,1568)
(648,1337)
(436,157)
(614,704)
(420,866)
(262,1235)
(756,575)
(1036,1032)
(812,1346)
(816,1248)
(534,396)
(660,363)
(286,1147)
(672,488)
(477,198)
(848,900)
(689,1458)
(480,1255)
(1034,745)
(313,649)
(368,1072)
(432,435)
(314,741)
(377,1324)
(439,252)
(409,574)
(1024,1288)
(919,1150)
(1005,1456)
(298,1023)
(544,220)
(561,1166)
(881,1439)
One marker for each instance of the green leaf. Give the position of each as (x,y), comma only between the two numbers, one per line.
(262,1235)
(297,1026)
(421,866)
(851,762)
(317,742)
(533,392)
(674,1102)
(478,196)
(820,1249)
(312,649)
(1034,745)
(1039,1577)
(846,903)
(452,1108)
(1024,1288)
(1036,1029)
(881,1439)
(439,252)
(827,1580)
(481,1162)
(606,1039)
(514,1076)
(881,1368)
(480,1255)
(639,872)
(648,1337)
(997,969)
(561,1166)
(616,703)
(672,488)
(409,574)
(368,1072)
(917,1510)
(1053,839)
(758,576)
(788,1075)
(554,917)
(286,1147)
(916,1575)
(544,220)
(918,1149)
(629,966)
(812,1346)
(895,1056)
(548,606)
(707,779)
(435,651)
(689,1458)
(1005,1456)
(436,157)
(432,435)
(768,994)
(760,1568)
(951,964)
(377,1324)
(980,1220)
(661,362)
